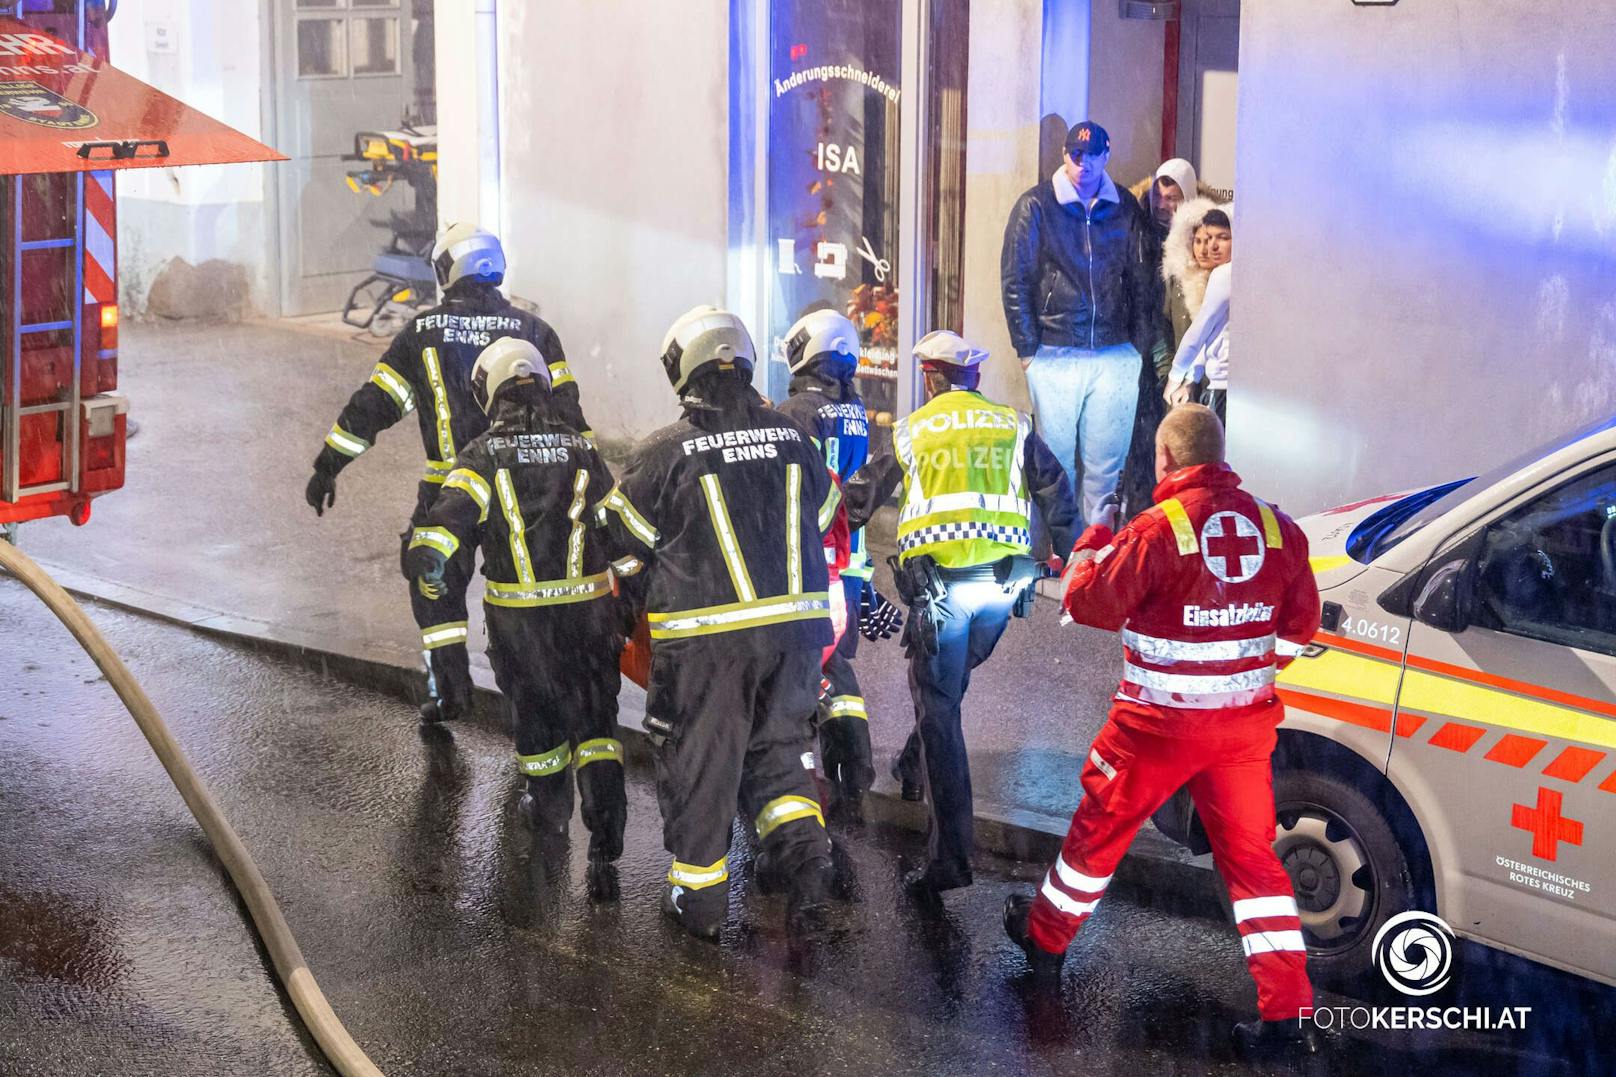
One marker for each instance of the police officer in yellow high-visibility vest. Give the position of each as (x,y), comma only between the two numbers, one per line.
(971,471)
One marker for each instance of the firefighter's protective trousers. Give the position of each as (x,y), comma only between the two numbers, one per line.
(1131,773)
(740,725)
(557,669)
(442,620)
(844,732)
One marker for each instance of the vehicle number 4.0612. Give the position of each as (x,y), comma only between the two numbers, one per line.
(1364,628)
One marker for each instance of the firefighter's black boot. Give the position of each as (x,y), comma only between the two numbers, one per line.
(767,874)
(546,807)
(434,711)
(808,898)
(601,879)
(1254,1039)
(846,805)
(699,912)
(1044,964)
(845,747)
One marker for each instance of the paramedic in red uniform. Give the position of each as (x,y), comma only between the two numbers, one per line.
(1212,591)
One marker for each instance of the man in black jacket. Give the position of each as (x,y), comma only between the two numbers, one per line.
(1078,296)
(525,491)
(427,369)
(727,508)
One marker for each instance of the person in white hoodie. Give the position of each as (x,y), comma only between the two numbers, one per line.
(1201,362)
(1160,198)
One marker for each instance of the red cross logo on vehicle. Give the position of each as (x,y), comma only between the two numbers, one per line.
(1546,825)
(1232,547)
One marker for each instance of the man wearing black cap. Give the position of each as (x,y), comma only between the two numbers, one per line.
(1078,297)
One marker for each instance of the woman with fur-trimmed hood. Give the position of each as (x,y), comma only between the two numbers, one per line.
(1187,263)
(1201,362)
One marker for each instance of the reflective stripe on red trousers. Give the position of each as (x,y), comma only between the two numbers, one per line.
(1128,775)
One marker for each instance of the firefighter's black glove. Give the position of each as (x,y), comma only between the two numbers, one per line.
(878,618)
(425,566)
(321,493)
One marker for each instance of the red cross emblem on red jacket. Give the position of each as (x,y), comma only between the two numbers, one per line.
(1212,592)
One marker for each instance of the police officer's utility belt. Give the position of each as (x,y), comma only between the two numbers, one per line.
(1013,572)
(549,592)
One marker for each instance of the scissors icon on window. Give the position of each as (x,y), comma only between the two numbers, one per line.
(882,265)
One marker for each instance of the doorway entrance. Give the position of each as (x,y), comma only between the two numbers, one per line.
(341,67)
(1208,79)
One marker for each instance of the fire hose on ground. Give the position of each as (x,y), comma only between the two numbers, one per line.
(293,972)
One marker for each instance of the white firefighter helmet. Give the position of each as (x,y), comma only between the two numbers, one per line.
(464,250)
(823,332)
(506,362)
(704,336)
(943,348)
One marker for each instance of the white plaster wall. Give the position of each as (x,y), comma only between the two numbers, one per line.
(614,183)
(1425,279)
(202,212)
(1001,161)
(1125,88)
(454,33)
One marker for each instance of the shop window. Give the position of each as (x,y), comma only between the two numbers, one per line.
(832,191)
(816,142)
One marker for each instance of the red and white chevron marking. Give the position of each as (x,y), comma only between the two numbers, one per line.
(100,248)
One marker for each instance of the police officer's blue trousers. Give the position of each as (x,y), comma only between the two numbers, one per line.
(970,621)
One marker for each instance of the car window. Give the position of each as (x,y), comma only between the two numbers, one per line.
(1548,570)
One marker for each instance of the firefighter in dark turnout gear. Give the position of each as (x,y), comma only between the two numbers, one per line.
(528,492)
(822,354)
(971,471)
(727,508)
(427,369)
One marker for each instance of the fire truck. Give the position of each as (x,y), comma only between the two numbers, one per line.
(68,122)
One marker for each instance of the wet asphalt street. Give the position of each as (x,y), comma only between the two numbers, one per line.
(449,945)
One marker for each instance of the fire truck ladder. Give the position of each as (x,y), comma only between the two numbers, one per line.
(12,410)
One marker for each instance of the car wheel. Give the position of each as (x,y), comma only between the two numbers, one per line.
(1349,872)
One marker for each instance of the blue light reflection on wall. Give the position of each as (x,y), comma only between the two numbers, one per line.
(1425,279)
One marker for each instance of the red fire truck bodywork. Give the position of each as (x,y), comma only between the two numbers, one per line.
(68,120)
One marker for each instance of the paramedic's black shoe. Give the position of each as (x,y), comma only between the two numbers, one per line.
(1269,1038)
(1044,964)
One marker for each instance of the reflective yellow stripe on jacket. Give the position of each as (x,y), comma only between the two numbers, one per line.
(734,616)
(440,405)
(548,592)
